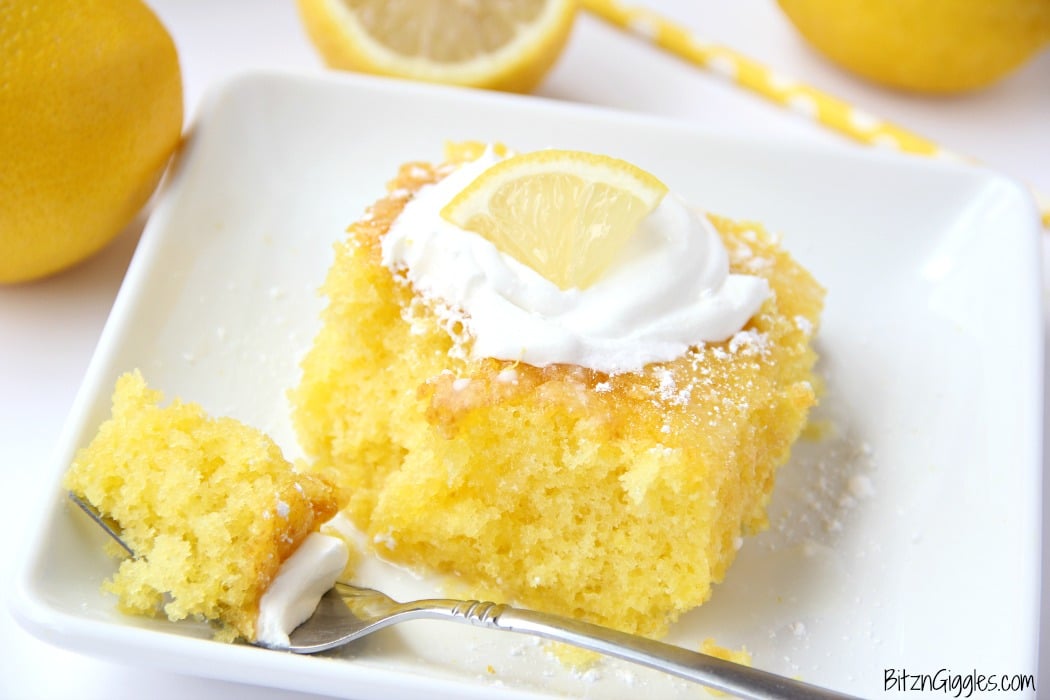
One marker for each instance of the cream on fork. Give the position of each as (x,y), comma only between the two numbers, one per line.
(349,612)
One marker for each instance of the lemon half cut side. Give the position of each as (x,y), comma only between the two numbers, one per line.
(565,214)
(499,44)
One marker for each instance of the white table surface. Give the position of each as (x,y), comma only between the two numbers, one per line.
(49,328)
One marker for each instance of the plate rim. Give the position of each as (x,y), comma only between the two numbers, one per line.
(59,628)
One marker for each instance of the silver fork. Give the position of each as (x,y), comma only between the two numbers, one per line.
(349,612)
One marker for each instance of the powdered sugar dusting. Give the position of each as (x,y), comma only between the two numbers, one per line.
(668,389)
(827,477)
(418,172)
(704,377)
(749,342)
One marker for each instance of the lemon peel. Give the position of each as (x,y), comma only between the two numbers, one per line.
(81,153)
(931,46)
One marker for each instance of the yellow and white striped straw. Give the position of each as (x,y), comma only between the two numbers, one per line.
(745,72)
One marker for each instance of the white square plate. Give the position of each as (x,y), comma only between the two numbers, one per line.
(906,537)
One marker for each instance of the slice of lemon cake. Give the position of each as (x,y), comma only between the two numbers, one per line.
(591,436)
(223,529)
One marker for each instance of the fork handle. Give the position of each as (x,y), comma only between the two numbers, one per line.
(737,679)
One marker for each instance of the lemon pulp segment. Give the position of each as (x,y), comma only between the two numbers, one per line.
(500,44)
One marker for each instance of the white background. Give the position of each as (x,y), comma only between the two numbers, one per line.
(49,328)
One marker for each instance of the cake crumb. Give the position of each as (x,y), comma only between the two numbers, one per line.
(460,384)
(738,656)
(153,469)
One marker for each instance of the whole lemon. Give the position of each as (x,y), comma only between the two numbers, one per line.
(90,112)
(937,46)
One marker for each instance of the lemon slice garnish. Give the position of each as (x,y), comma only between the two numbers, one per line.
(507,45)
(565,214)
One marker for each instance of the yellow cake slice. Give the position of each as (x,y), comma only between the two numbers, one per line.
(209,505)
(615,497)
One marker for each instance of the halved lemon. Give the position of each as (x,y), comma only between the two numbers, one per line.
(500,44)
(565,214)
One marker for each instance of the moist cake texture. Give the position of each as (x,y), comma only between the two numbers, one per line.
(209,505)
(616,498)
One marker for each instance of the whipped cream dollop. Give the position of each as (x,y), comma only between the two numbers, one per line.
(294,593)
(669,289)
